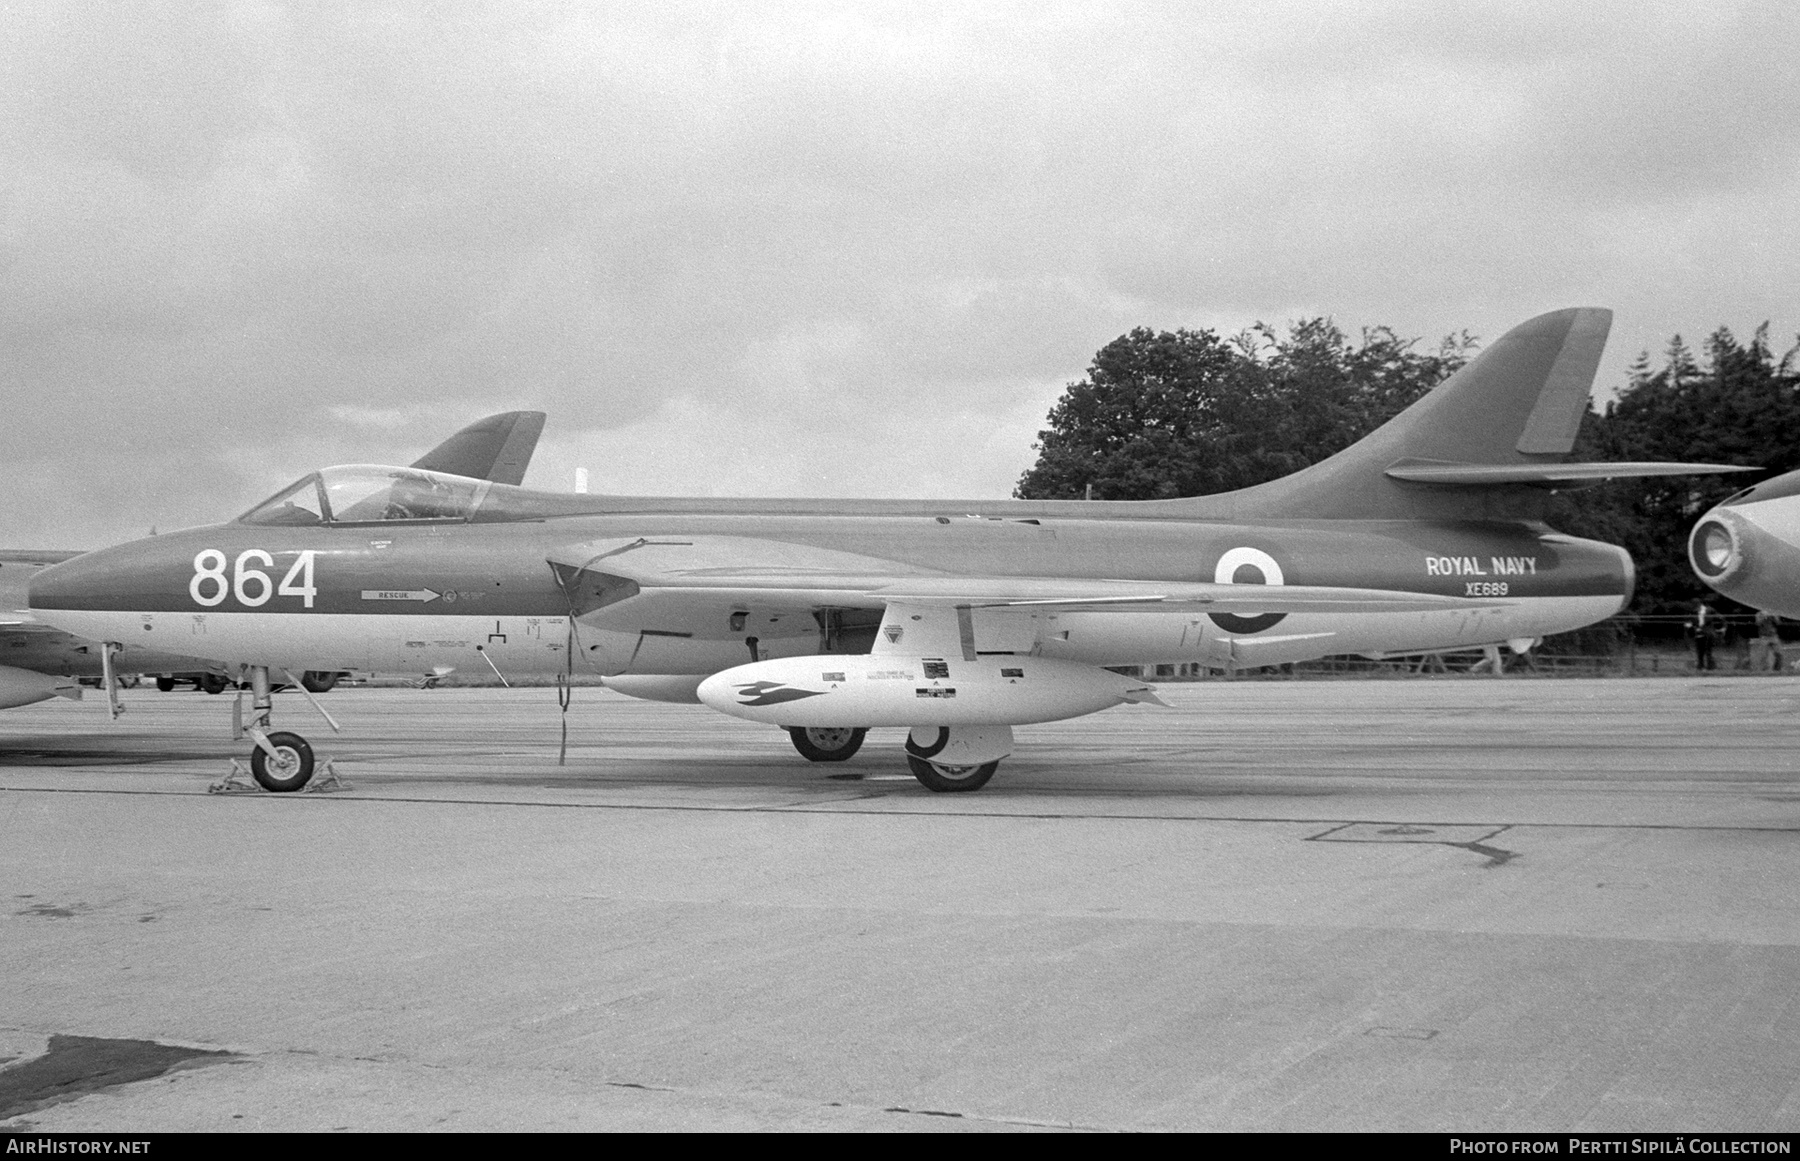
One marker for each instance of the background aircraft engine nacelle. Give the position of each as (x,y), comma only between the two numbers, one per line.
(1750,553)
(23,687)
(877,690)
(1714,548)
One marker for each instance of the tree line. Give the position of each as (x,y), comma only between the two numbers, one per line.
(1162,414)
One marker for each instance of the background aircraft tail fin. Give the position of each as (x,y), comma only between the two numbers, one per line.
(497,448)
(1517,405)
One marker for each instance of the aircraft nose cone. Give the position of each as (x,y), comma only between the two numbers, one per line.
(56,587)
(113,578)
(64,596)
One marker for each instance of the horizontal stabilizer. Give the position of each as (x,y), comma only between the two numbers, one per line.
(1546,475)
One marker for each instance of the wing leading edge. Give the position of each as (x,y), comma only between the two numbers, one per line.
(748,570)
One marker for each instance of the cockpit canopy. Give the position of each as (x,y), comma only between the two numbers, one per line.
(365,493)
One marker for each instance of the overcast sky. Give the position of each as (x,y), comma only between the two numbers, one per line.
(811,249)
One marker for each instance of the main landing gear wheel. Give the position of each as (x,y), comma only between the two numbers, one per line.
(290,769)
(950,779)
(212,683)
(165,684)
(826,745)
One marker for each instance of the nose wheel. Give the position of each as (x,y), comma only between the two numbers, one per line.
(282,761)
(285,765)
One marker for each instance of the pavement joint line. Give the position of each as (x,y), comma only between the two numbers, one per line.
(827,809)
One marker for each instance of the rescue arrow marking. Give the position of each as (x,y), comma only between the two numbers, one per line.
(421,595)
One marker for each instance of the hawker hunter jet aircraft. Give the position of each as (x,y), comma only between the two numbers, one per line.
(956,619)
(1748,548)
(39,662)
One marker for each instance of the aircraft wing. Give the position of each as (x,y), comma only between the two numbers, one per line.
(497,448)
(1161,596)
(747,570)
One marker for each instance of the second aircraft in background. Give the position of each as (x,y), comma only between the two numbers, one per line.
(1748,547)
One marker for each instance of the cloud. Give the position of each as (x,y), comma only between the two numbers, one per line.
(827,249)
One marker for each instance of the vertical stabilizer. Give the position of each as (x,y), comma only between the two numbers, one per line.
(497,448)
(1519,402)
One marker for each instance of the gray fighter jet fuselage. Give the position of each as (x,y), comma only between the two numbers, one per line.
(957,619)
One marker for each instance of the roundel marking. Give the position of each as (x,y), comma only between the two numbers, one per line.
(1262,570)
(1225,572)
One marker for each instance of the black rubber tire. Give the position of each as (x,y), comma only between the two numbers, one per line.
(951,779)
(296,770)
(212,683)
(165,684)
(318,680)
(826,745)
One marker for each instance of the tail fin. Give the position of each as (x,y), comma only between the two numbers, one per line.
(497,448)
(1517,405)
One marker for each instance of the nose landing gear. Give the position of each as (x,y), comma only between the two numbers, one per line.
(282,762)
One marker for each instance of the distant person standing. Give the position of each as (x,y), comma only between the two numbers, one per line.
(1765,651)
(1705,627)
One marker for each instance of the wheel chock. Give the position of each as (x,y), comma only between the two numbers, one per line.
(325,780)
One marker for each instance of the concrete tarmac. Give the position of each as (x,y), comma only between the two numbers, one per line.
(1455,904)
